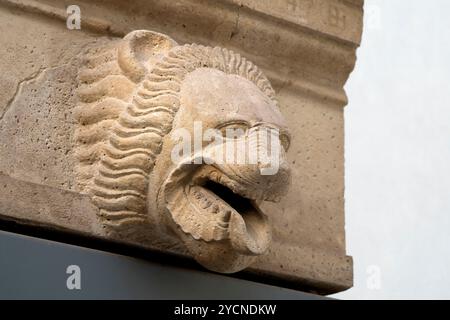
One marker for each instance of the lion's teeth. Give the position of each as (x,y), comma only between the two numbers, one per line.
(223,224)
(219,233)
(226,216)
(215,208)
(198,194)
(206,204)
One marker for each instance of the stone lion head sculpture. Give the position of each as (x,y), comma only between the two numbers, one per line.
(134,94)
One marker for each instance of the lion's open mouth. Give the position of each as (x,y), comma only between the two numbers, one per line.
(218,199)
(247,208)
(214,208)
(209,206)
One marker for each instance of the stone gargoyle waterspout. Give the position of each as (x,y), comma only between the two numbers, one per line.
(135,94)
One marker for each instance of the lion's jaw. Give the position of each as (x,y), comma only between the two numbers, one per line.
(215,210)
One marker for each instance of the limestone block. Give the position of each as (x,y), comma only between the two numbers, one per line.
(86,134)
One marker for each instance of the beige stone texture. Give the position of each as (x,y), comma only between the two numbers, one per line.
(306,48)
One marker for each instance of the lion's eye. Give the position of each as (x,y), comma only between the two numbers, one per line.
(234,130)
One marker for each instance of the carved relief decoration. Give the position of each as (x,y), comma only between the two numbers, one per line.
(133,94)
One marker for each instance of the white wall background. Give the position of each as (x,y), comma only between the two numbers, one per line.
(398,153)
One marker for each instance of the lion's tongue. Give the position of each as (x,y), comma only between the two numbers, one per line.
(247,230)
(214,219)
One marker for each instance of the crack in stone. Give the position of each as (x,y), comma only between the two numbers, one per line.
(33,77)
(236,24)
(19,87)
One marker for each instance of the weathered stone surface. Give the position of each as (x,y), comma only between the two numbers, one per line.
(135,95)
(307,50)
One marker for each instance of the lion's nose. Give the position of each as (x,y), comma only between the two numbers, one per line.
(275,177)
(269,177)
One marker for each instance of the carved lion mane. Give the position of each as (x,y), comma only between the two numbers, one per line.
(129,94)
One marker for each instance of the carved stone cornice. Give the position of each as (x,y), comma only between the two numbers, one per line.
(307,49)
(306,45)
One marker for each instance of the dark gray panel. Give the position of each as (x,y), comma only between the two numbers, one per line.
(33,268)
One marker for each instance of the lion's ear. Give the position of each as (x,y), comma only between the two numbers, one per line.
(140,49)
